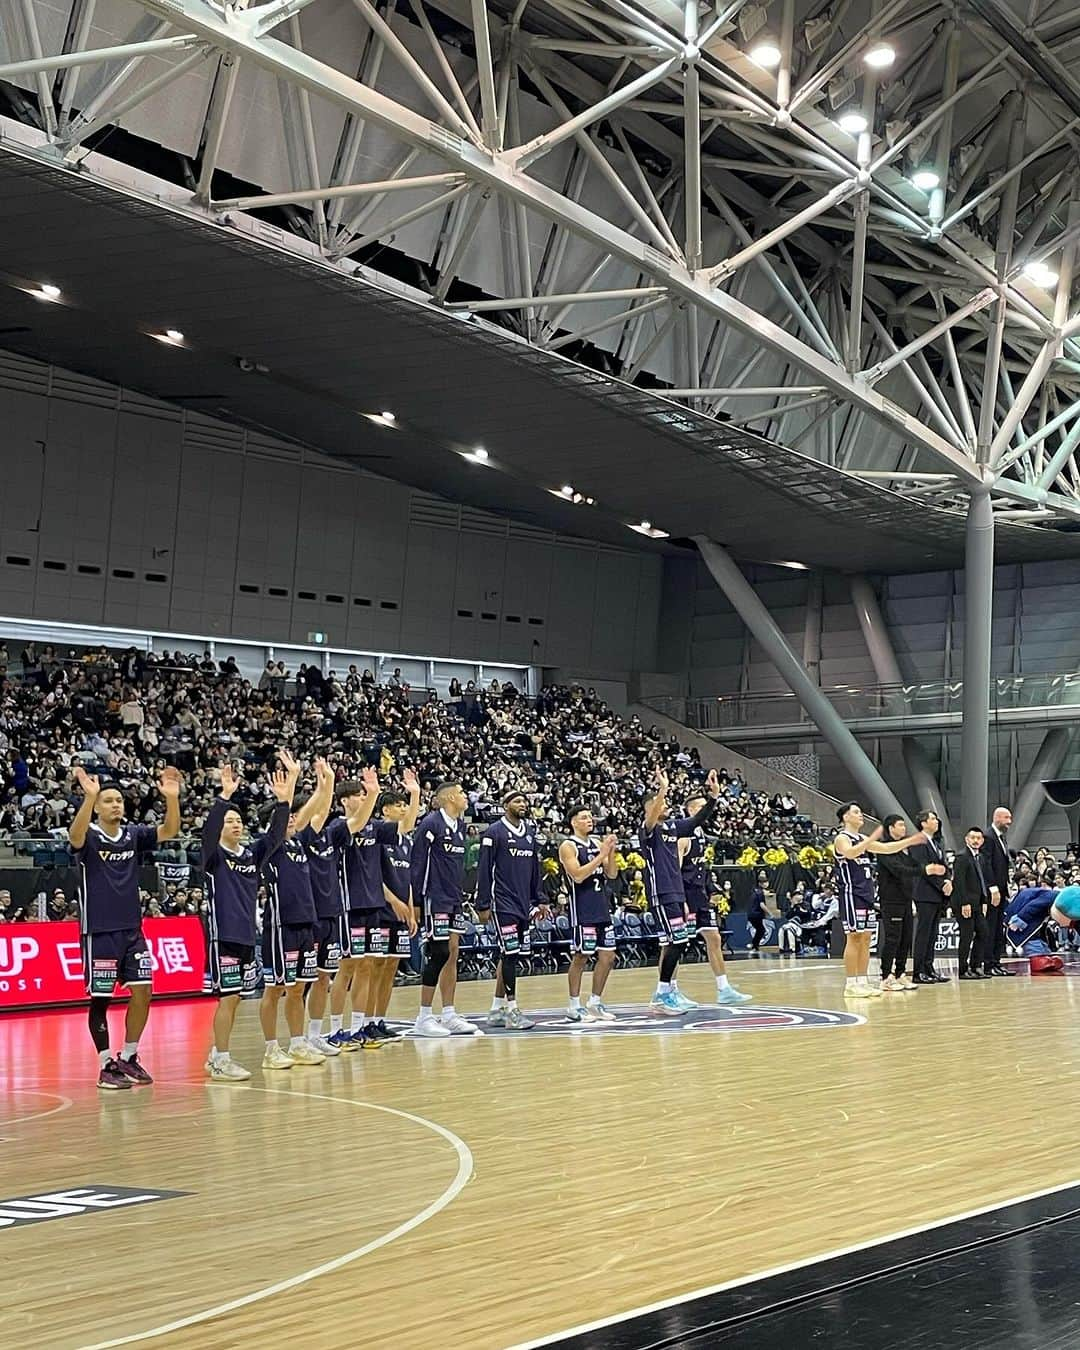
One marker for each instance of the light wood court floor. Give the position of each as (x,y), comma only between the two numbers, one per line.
(477,1194)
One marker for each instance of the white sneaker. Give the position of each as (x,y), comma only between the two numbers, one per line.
(323,1046)
(457,1026)
(600,1013)
(874,991)
(277,1058)
(306,1053)
(861,991)
(429,1026)
(225,1070)
(907,985)
(580,1015)
(891,985)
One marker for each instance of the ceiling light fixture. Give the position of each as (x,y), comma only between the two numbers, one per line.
(852,122)
(566,490)
(880,56)
(172,337)
(766,54)
(47,291)
(382,419)
(647,528)
(480,454)
(388,418)
(1040,274)
(926,178)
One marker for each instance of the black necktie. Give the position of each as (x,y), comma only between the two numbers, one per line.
(982,876)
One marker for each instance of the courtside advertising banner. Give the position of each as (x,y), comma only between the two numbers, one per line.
(41,963)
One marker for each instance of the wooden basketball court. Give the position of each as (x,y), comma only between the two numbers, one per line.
(482,1194)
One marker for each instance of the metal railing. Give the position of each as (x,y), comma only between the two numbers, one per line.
(854,702)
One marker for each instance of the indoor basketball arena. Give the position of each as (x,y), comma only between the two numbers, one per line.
(539,552)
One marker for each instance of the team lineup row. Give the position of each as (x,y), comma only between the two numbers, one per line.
(346,895)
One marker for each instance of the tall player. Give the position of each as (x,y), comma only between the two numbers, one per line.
(507,888)
(114,950)
(331,928)
(232,869)
(396,921)
(358,798)
(855,885)
(289,948)
(696,887)
(438,879)
(586,861)
(659,836)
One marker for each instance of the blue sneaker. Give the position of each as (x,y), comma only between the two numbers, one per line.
(732,995)
(343,1041)
(683,1003)
(666,1005)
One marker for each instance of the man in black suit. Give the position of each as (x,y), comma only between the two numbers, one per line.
(995,854)
(970,903)
(896,875)
(932,889)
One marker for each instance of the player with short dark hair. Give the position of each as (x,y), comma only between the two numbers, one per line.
(697,887)
(231,867)
(331,924)
(396,922)
(114,950)
(508,888)
(356,849)
(659,837)
(289,947)
(586,861)
(437,871)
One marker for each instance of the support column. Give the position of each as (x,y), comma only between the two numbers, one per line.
(978,617)
(815,600)
(877,794)
(1047,764)
(887,670)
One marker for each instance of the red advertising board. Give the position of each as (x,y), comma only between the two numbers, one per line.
(41,963)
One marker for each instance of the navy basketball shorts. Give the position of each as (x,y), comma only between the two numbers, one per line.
(854,919)
(289,953)
(672,925)
(704,915)
(386,937)
(593,937)
(440,921)
(512,935)
(231,968)
(115,958)
(330,935)
(358,927)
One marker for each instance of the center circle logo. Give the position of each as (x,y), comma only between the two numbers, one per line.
(636,1020)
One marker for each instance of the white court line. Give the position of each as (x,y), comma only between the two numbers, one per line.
(65,1102)
(554,1337)
(464,1173)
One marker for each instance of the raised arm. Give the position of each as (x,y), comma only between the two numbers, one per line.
(215,817)
(607,853)
(370,780)
(169,786)
(655,808)
(283,786)
(412,786)
(844,847)
(304,814)
(322,799)
(90,787)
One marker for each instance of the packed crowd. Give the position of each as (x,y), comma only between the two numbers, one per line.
(124,714)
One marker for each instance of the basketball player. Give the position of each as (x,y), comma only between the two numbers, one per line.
(289,948)
(659,837)
(507,888)
(232,885)
(331,928)
(114,950)
(396,921)
(696,883)
(586,860)
(358,798)
(437,871)
(854,879)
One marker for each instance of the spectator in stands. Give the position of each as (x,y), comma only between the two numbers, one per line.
(5,906)
(757,912)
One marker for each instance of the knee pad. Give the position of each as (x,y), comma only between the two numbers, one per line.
(436,955)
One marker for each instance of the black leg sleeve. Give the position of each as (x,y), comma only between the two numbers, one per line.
(436,955)
(99,1023)
(669,961)
(510,974)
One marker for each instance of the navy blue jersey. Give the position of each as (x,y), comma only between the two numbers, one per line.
(360,860)
(438,863)
(854,877)
(396,861)
(109,877)
(663,875)
(508,880)
(288,885)
(323,870)
(588,899)
(695,871)
(232,878)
